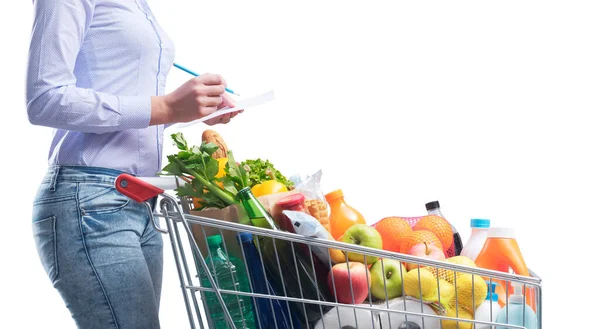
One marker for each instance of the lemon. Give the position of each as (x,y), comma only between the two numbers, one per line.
(462,314)
(426,287)
(447,293)
(450,275)
(471,291)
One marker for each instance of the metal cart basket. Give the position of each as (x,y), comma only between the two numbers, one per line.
(203,295)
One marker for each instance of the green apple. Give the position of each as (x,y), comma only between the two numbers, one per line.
(387,275)
(362,235)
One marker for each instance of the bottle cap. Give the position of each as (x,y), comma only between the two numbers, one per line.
(334,195)
(432,205)
(244,237)
(244,192)
(501,232)
(214,240)
(517,296)
(480,223)
(492,292)
(291,200)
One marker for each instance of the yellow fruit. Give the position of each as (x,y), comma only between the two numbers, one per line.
(471,291)
(449,275)
(461,260)
(447,293)
(221,173)
(454,324)
(427,288)
(269,187)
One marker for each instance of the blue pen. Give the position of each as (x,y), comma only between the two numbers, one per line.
(196,74)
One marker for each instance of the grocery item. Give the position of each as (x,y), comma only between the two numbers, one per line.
(342,215)
(516,312)
(450,275)
(310,186)
(271,186)
(479,229)
(260,171)
(500,253)
(418,237)
(433,208)
(211,136)
(288,268)
(438,226)
(229,274)
(293,202)
(424,250)
(407,321)
(392,231)
(198,202)
(457,313)
(421,283)
(349,282)
(272,313)
(198,168)
(471,291)
(386,278)
(349,318)
(447,294)
(318,209)
(489,309)
(307,225)
(365,236)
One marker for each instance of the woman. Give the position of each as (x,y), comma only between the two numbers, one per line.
(96,73)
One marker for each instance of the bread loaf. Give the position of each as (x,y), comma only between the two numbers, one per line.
(318,209)
(214,137)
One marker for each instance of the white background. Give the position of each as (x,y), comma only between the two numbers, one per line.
(490,108)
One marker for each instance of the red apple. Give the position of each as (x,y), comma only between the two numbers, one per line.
(349,278)
(426,251)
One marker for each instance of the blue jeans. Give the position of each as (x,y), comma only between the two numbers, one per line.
(99,249)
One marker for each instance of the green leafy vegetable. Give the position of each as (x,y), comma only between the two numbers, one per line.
(260,171)
(198,168)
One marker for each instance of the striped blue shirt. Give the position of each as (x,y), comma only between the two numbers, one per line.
(93,66)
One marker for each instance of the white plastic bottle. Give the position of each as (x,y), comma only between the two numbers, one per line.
(517,312)
(489,309)
(479,229)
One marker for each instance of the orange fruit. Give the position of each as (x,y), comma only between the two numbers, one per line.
(440,227)
(392,231)
(419,236)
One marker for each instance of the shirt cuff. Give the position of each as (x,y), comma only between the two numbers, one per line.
(135,112)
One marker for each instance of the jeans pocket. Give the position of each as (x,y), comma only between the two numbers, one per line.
(44,233)
(98,198)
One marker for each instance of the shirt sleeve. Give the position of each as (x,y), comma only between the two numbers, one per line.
(53,99)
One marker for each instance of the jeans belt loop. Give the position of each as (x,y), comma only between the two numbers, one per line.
(54,177)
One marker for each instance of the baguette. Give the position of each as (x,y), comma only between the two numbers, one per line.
(214,137)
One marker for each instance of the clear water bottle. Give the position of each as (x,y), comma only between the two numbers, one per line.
(433,208)
(230,274)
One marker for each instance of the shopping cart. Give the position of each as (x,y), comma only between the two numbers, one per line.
(305,309)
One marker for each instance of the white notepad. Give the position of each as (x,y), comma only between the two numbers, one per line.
(243,104)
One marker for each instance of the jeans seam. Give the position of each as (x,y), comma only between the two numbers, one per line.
(54,235)
(112,312)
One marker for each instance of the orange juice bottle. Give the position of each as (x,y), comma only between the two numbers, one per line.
(501,252)
(341,216)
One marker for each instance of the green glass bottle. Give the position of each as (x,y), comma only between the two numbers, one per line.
(256,212)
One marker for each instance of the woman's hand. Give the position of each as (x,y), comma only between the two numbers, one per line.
(225,118)
(195,99)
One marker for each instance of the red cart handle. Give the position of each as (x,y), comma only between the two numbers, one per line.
(136,188)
